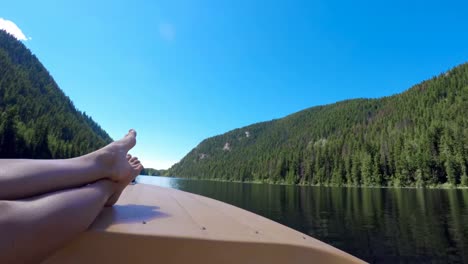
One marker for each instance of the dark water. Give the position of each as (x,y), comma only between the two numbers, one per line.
(377,225)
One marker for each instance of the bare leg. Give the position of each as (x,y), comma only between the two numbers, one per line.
(25,178)
(32,229)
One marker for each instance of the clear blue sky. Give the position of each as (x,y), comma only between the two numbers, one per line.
(181,71)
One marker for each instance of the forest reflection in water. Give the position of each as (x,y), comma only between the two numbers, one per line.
(378,225)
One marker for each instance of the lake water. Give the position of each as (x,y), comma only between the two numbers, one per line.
(377,225)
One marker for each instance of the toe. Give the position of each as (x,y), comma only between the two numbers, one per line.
(131,133)
(139,167)
(129,157)
(129,141)
(133,159)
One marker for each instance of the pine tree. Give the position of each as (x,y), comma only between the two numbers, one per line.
(377,178)
(8,136)
(366,169)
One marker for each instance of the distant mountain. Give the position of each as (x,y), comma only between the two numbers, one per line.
(37,120)
(416,138)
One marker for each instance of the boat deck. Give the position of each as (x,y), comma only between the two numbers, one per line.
(152,224)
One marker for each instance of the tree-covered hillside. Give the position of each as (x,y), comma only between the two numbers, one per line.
(416,138)
(37,120)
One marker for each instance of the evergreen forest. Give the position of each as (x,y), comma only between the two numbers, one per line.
(416,138)
(37,120)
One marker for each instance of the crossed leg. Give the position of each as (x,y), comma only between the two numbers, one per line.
(25,178)
(45,203)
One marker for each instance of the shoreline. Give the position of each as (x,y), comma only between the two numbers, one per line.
(433,187)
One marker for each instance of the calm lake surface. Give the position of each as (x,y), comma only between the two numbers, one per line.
(377,225)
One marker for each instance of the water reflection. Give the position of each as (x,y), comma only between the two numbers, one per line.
(377,225)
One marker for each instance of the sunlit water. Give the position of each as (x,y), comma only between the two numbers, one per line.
(377,225)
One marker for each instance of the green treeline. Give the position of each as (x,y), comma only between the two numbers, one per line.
(37,120)
(416,138)
(152,172)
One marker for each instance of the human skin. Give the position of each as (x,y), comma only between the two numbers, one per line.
(22,178)
(45,203)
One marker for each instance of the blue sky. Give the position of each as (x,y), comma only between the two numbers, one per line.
(181,71)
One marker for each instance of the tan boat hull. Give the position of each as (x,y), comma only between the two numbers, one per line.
(152,224)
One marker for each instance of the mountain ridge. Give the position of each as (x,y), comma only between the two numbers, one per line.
(305,147)
(37,119)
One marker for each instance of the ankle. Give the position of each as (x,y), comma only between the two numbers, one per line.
(102,161)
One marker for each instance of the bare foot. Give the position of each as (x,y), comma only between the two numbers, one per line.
(117,164)
(135,163)
(113,159)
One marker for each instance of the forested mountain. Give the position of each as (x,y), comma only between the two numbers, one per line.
(37,120)
(416,138)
